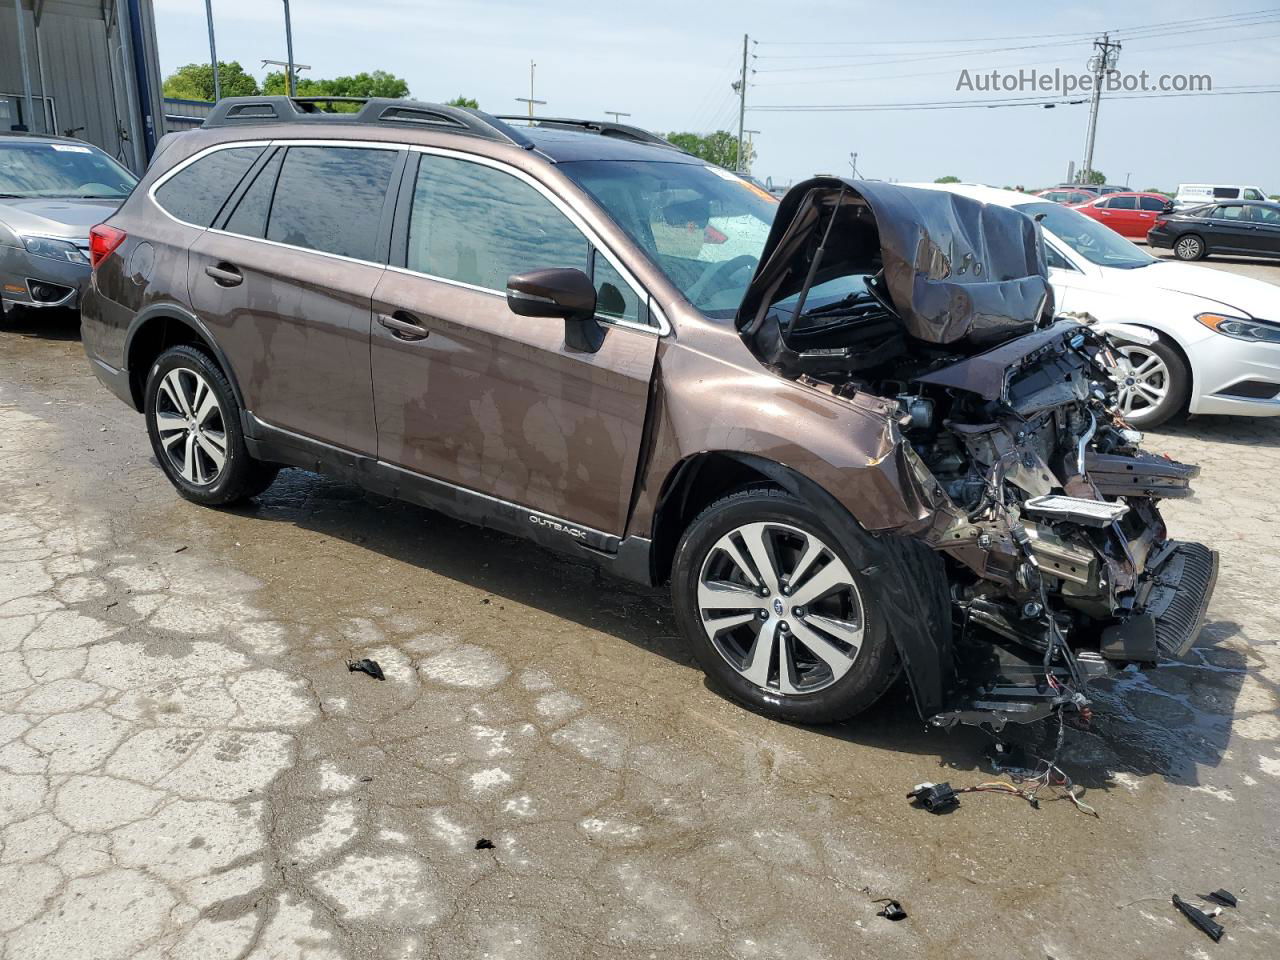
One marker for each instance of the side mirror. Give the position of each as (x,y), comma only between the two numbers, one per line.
(562,292)
(1168,207)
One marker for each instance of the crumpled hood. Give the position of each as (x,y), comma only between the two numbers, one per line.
(1257,298)
(954,268)
(68,219)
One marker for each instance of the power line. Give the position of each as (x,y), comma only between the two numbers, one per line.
(998,66)
(1024,36)
(906,57)
(980,104)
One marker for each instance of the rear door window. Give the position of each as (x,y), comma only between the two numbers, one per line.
(197,192)
(330,199)
(250,216)
(476,225)
(1226,193)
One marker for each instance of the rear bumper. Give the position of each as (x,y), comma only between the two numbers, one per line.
(1159,237)
(40,282)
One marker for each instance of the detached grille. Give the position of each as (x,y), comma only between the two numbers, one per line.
(1183,585)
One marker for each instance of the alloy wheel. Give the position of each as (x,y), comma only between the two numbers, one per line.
(1189,248)
(781,607)
(1143,379)
(191,426)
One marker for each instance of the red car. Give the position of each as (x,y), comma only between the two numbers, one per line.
(1128,214)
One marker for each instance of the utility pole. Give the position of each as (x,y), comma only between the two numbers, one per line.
(853,164)
(1108,54)
(290,81)
(751,152)
(213,51)
(616,114)
(529,99)
(742,102)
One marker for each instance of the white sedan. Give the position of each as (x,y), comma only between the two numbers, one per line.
(1217,343)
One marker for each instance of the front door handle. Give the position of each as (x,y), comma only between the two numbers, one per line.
(225,275)
(404,325)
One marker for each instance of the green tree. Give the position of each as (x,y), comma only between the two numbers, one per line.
(195,81)
(947,179)
(720,148)
(1096,177)
(463,102)
(379,83)
(1157,190)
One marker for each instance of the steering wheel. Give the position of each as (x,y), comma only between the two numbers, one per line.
(712,278)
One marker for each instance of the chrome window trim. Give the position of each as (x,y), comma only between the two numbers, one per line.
(199,155)
(662,329)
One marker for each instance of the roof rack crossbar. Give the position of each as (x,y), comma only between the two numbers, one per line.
(234,111)
(622,131)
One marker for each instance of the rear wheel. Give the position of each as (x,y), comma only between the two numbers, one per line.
(1153,383)
(194,424)
(776,611)
(1189,247)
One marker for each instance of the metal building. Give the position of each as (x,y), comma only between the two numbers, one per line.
(87,68)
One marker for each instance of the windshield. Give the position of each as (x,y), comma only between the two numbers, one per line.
(1095,242)
(61,170)
(704,227)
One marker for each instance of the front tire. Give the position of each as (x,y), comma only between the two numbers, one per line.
(1189,246)
(777,612)
(1153,382)
(193,421)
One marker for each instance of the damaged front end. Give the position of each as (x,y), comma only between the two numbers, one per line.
(1038,496)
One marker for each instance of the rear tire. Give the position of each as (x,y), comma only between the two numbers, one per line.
(1190,246)
(798,635)
(193,421)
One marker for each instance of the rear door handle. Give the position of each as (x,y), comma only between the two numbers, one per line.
(404,325)
(225,275)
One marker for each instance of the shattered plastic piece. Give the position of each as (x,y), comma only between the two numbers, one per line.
(1223,897)
(892,910)
(1197,916)
(934,797)
(366,666)
(484,843)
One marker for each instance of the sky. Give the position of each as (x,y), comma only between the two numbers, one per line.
(671,64)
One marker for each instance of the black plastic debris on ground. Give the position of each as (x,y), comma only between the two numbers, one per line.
(1223,897)
(484,843)
(366,666)
(934,797)
(1211,928)
(892,910)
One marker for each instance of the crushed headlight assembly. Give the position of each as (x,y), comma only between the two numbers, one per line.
(54,249)
(1240,328)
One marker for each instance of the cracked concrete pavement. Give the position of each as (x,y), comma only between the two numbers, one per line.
(188,770)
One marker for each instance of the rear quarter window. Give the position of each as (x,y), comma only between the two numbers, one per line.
(197,192)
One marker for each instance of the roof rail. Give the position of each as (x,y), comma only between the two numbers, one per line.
(621,131)
(237,111)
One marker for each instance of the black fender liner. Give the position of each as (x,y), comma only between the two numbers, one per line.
(176,313)
(910,581)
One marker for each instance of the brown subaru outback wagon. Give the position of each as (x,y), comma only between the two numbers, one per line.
(848,427)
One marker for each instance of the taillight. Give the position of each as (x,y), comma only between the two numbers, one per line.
(1160,221)
(103,240)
